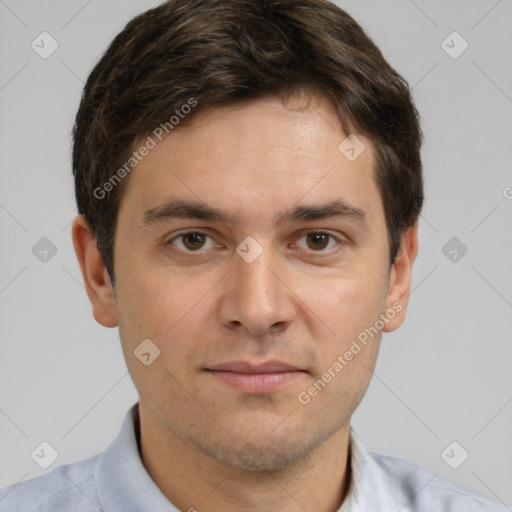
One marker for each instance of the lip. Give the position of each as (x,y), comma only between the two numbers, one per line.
(273,366)
(256,378)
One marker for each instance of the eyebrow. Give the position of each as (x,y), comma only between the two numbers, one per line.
(181,209)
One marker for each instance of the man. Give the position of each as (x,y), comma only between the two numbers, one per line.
(248,181)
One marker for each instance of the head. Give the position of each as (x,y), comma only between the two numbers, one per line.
(223,216)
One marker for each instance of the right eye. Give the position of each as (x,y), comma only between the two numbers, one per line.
(191,241)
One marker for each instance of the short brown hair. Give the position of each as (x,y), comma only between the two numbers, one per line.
(223,52)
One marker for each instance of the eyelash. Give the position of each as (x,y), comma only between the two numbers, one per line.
(179,236)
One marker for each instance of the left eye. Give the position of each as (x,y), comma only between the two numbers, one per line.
(318,241)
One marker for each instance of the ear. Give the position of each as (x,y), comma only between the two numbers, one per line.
(96,279)
(400,278)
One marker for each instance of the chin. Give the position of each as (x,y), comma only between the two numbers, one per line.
(261,457)
(265,451)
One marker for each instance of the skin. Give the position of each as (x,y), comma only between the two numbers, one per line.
(207,445)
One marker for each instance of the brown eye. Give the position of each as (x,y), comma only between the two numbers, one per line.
(318,241)
(192,241)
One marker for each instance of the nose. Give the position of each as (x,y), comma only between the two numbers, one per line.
(257,297)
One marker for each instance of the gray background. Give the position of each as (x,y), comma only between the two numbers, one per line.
(444,376)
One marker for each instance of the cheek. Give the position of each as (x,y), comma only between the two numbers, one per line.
(164,311)
(347,354)
(347,342)
(345,305)
(140,306)
(163,306)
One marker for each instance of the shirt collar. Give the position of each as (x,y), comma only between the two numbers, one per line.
(369,487)
(123,483)
(125,486)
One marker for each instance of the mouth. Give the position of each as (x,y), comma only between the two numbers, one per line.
(256,378)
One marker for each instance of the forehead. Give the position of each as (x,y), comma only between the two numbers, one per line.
(257,157)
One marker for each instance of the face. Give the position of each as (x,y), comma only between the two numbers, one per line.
(253,253)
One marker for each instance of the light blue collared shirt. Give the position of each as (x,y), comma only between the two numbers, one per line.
(116,481)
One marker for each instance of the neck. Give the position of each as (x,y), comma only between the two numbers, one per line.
(193,481)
